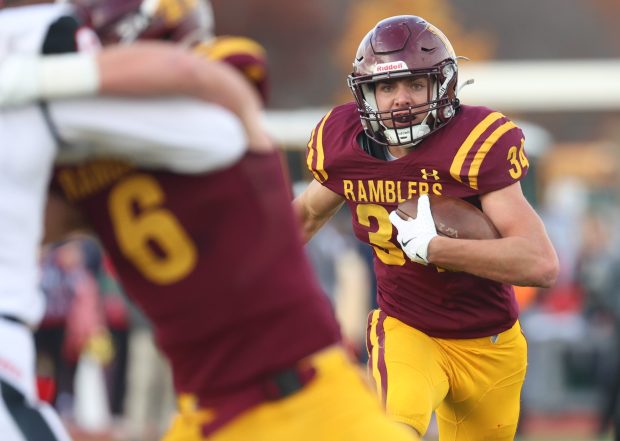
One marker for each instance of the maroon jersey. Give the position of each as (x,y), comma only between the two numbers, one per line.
(478,152)
(216,263)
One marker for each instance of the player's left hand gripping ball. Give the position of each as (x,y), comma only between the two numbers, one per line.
(414,235)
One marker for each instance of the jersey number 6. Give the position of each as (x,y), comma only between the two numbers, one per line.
(149,235)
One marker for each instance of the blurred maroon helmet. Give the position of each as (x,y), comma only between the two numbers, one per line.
(400,47)
(185,21)
(245,54)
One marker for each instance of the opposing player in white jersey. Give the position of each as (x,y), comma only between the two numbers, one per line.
(160,132)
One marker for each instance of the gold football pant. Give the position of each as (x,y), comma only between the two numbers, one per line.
(337,405)
(474,385)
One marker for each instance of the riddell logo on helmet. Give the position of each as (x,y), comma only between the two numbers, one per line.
(388,67)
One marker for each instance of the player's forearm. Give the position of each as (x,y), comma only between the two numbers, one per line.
(134,70)
(513,260)
(309,217)
(150,68)
(129,70)
(219,83)
(308,225)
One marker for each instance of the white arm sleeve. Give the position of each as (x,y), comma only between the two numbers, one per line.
(28,78)
(177,134)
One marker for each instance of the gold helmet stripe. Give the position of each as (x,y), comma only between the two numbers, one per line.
(223,47)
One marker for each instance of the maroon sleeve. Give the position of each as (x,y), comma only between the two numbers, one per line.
(506,161)
(330,149)
(490,155)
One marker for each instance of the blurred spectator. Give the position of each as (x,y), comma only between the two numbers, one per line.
(85,299)
(565,203)
(556,313)
(574,328)
(73,317)
(149,402)
(552,318)
(116,312)
(599,274)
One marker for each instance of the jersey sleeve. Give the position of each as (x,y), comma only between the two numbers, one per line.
(201,137)
(315,153)
(330,146)
(492,156)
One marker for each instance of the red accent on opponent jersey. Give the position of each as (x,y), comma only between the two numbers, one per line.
(478,152)
(216,263)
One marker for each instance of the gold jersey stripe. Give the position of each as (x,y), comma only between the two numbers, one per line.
(311,156)
(463,151)
(223,47)
(374,342)
(474,169)
(319,173)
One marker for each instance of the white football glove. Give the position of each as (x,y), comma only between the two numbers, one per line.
(414,235)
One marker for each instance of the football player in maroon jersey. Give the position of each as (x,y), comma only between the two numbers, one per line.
(27,35)
(217,264)
(446,335)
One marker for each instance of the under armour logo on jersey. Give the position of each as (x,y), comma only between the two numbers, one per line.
(426,175)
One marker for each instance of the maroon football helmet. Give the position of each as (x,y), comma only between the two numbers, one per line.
(185,21)
(246,55)
(400,47)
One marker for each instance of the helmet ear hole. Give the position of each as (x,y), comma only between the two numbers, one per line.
(371,120)
(448,69)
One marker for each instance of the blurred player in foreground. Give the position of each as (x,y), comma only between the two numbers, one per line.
(31,135)
(446,336)
(217,264)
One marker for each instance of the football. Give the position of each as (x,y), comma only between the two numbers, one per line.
(453,217)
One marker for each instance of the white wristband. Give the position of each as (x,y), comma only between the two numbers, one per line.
(69,75)
(24,79)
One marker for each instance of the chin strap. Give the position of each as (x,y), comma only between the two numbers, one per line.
(407,136)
